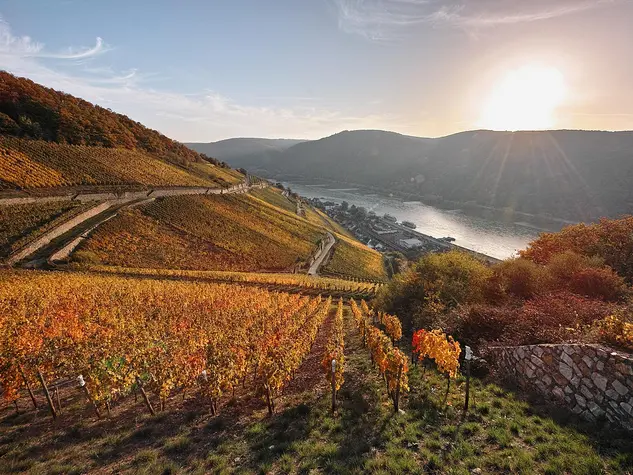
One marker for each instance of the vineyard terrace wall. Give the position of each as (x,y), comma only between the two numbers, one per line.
(591,381)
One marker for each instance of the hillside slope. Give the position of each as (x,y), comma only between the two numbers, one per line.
(238,233)
(49,139)
(30,110)
(576,175)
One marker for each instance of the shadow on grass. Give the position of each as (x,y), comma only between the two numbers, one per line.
(603,436)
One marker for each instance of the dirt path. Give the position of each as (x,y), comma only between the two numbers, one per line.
(310,376)
(322,254)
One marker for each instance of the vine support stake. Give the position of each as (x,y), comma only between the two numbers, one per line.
(57,399)
(333,386)
(28,386)
(145,398)
(82,383)
(396,401)
(47,394)
(269,401)
(467,358)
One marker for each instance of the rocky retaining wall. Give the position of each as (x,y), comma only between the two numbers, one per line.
(592,381)
(56,232)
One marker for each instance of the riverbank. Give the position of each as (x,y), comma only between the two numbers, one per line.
(540,222)
(497,238)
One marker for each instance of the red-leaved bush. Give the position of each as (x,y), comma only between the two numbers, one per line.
(552,318)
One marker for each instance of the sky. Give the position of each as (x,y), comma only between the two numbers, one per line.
(201,71)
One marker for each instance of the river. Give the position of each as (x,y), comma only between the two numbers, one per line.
(500,239)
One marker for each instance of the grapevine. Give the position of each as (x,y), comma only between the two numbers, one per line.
(123,335)
(391,362)
(335,350)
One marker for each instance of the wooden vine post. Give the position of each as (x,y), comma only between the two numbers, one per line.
(145,398)
(333,386)
(82,384)
(47,394)
(269,400)
(28,386)
(57,400)
(396,400)
(467,359)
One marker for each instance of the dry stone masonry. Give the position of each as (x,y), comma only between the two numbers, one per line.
(592,381)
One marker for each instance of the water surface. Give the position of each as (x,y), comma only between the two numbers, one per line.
(496,238)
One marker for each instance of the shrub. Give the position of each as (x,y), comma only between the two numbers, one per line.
(602,283)
(617,330)
(437,283)
(551,318)
(610,239)
(520,278)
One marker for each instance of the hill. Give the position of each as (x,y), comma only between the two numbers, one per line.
(242,147)
(32,111)
(239,233)
(50,139)
(575,175)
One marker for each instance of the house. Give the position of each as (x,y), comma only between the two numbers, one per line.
(411,243)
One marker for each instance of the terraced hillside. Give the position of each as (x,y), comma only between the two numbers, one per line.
(353,259)
(21,224)
(239,233)
(33,164)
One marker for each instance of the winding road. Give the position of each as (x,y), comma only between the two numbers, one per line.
(322,254)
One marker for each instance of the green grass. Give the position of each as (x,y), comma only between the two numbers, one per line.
(502,433)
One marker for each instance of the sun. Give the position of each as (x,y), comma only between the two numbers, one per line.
(525,99)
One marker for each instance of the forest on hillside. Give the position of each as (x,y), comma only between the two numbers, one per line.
(32,111)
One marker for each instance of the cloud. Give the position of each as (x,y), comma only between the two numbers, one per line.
(25,47)
(203,116)
(389,19)
(84,53)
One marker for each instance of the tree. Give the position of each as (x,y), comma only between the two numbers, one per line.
(435,284)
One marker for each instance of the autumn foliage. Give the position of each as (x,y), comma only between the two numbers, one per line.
(32,111)
(124,334)
(554,292)
(335,349)
(390,361)
(442,349)
(610,240)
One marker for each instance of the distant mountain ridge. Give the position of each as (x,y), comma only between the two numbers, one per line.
(239,147)
(568,174)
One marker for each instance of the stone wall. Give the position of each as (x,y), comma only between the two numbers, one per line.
(590,380)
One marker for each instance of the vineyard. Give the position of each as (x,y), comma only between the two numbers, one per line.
(31,164)
(293,283)
(236,233)
(274,197)
(117,336)
(208,378)
(21,224)
(351,258)
(32,111)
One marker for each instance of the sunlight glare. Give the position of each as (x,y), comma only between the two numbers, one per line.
(525,99)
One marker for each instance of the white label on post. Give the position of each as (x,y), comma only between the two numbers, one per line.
(80,380)
(469,354)
(333,366)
